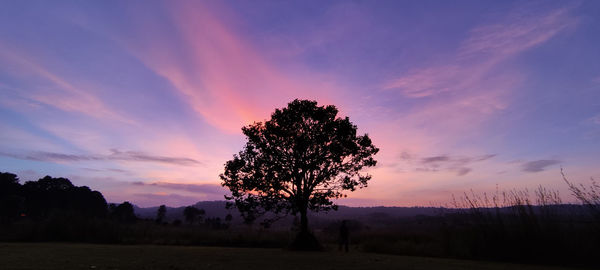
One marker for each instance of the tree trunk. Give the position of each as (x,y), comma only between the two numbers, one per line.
(303,221)
(305,240)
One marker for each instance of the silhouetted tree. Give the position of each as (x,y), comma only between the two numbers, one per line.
(11,200)
(9,183)
(201,214)
(123,212)
(192,214)
(297,161)
(215,223)
(160,213)
(51,195)
(87,202)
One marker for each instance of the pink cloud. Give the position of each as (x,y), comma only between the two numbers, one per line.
(219,74)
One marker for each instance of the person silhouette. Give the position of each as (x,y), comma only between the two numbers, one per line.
(344,236)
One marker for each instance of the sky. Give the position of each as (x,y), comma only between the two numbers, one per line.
(145,100)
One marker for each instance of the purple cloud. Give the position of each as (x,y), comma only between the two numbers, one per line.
(435,159)
(115,155)
(463,171)
(538,165)
(451,163)
(140,156)
(195,188)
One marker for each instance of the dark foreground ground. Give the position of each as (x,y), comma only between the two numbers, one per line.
(87,256)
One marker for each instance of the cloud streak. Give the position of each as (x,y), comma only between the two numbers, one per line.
(521,31)
(220,75)
(486,47)
(538,165)
(458,164)
(115,155)
(455,164)
(194,188)
(64,95)
(463,90)
(143,157)
(155,199)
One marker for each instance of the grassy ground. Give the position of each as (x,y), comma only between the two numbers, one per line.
(87,256)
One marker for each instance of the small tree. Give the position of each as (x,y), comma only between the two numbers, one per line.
(123,212)
(160,214)
(297,161)
(11,200)
(192,214)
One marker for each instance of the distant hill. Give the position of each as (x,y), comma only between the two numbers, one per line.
(371,216)
(363,214)
(212,209)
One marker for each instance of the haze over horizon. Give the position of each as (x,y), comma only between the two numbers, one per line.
(145,100)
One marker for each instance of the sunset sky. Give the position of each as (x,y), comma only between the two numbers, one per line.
(145,100)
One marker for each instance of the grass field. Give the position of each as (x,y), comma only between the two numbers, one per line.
(87,256)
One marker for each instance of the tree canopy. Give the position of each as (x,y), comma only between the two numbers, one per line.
(47,196)
(161,212)
(123,212)
(192,214)
(299,160)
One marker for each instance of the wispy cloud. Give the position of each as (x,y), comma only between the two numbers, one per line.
(173,200)
(596,80)
(107,170)
(462,171)
(538,165)
(115,155)
(521,30)
(52,157)
(195,188)
(58,92)
(595,119)
(458,93)
(141,156)
(435,159)
(485,48)
(217,72)
(458,164)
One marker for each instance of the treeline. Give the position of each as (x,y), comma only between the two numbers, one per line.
(50,197)
(53,209)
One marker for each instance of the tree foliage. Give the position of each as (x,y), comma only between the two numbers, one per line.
(11,200)
(48,197)
(192,214)
(161,212)
(299,160)
(123,212)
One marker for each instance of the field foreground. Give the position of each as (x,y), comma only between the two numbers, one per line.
(88,256)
